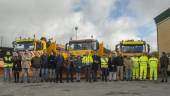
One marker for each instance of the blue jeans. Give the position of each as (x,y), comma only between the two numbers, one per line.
(44,73)
(7,74)
(128,74)
(27,77)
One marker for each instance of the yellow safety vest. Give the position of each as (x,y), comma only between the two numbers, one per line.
(135,61)
(143,60)
(153,62)
(104,62)
(87,59)
(8,59)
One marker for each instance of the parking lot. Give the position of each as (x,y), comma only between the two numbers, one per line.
(118,88)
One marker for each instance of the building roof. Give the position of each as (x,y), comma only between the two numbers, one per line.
(164,15)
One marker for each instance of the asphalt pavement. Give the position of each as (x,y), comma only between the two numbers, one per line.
(118,88)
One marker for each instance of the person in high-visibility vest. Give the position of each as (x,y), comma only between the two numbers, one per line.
(153,63)
(143,60)
(8,66)
(87,61)
(104,67)
(135,68)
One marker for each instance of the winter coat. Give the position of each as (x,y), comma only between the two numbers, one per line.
(164,61)
(44,59)
(26,61)
(119,61)
(70,63)
(96,62)
(52,62)
(78,64)
(112,64)
(60,61)
(17,63)
(128,63)
(36,62)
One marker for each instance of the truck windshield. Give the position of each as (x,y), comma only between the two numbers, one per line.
(83,45)
(133,48)
(22,46)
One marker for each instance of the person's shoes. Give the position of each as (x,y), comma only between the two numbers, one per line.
(22,82)
(166,80)
(162,80)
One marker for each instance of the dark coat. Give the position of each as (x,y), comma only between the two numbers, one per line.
(16,63)
(96,62)
(119,61)
(164,61)
(78,64)
(60,61)
(112,64)
(44,59)
(70,63)
(52,62)
(36,62)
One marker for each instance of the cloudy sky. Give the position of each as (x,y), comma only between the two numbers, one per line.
(107,20)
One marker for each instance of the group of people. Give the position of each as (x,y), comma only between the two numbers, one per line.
(55,68)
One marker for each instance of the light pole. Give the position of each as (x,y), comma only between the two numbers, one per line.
(76,28)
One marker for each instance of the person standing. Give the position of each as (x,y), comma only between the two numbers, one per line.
(128,68)
(52,66)
(143,60)
(95,66)
(70,68)
(120,64)
(8,66)
(164,61)
(78,67)
(153,63)
(44,67)
(25,64)
(36,64)
(112,67)
(104,67)
(87,60)
(135,67)
(16,66)
(59,67)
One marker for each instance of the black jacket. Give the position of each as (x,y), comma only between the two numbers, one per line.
(96,62)
(60,61)
(112,64)
(52,62)
(164,61)
(17,63)
(44,59)
(119,61)
(36,62)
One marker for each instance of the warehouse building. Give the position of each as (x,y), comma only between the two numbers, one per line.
(163,31)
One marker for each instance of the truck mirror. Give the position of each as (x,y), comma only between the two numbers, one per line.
(148,48)
(97,45)
(66,46)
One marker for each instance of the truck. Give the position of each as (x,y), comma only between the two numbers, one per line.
(132,47)
(36,45)
(82,46)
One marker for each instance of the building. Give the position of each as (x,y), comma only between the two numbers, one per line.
(163,31)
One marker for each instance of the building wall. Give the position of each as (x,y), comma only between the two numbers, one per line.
(164,36)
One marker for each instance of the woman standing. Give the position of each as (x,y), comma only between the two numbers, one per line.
(16,66)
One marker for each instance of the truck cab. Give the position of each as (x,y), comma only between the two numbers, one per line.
(131,47)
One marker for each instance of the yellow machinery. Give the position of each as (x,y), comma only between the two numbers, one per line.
(36,46)
(131,47)
(81,47)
